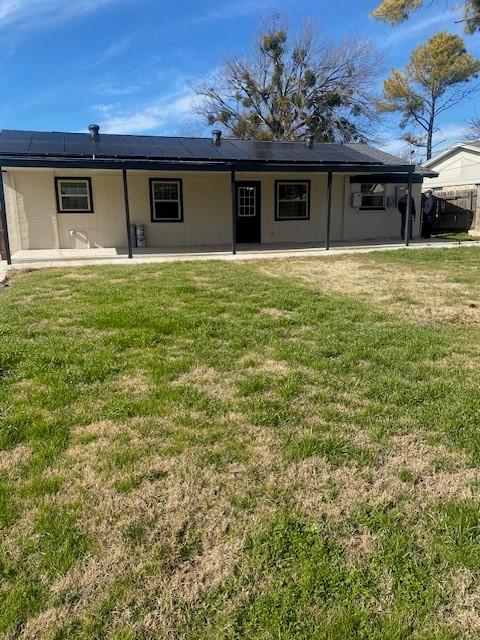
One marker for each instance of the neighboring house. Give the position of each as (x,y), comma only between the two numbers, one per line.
(83,191)
(458,170)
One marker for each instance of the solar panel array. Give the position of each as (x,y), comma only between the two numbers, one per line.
(67,145)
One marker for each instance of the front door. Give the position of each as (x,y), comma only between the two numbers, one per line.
(248,211)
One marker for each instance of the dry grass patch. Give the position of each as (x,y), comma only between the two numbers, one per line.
(12,459)
(209,381)
(178,534)
(463,609)
(405,471)
(135,382)
(419,295)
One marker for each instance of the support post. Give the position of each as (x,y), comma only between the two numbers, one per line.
(127,213)
(234,214)
(408,222)
(329,211)
(3,219)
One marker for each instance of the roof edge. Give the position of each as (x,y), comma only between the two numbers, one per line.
(452,149)
(200,165)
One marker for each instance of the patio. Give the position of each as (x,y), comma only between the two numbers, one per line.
(44,258)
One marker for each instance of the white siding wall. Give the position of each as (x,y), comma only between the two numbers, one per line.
(13,221)
(370,225)
(206,209)
(33,220)
(106,226)
(462,167)
(36,210)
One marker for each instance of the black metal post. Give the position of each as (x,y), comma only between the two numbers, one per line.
(3,217)
(408,222)
(127,213)
(329,211)
(234,214)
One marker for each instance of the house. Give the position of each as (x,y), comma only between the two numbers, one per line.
(71,192)
(458,172)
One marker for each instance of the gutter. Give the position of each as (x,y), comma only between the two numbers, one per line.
(200,165)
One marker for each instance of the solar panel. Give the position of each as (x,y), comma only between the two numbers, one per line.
(110,145)
(14,146)
(111,149)
(173,148)
(141,146)
(78,149)
(12,141)
(51,144)
(13,134)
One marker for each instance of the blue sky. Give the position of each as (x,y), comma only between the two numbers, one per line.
(129,64)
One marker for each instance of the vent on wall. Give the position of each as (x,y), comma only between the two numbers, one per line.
(356,200)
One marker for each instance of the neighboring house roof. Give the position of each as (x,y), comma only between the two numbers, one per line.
(460,146)
(31,148)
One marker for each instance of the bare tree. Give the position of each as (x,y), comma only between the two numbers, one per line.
(290,86)
(473,130)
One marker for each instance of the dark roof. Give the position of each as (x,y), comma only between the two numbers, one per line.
(388,158)
(34,148)
(33,143)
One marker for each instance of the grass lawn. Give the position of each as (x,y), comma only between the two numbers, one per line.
(461,236)
(282,449)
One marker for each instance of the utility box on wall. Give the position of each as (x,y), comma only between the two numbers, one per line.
(356,200)
(139,235)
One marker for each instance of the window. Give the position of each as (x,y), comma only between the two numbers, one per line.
(292,200)
(166,200)
(74,195)
(247,202)
(373,196)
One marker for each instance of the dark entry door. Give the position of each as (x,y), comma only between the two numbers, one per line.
(248,211)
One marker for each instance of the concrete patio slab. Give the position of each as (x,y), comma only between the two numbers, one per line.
(48,258)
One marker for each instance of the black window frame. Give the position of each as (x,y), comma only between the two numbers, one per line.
(382,208)
(87,179)
(180,200)
(303,219)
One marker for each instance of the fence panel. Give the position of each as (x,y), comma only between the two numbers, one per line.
(456,210)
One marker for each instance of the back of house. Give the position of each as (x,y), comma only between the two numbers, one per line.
(71,192)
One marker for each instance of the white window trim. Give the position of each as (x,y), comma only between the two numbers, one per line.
(154,200)
(58,186)
(278,200)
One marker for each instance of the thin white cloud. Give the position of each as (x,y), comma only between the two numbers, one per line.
(114,50)
(29,14)
(446,135)
(393,146)
(415,26)
(166,113)
(231,10)
(240,8)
